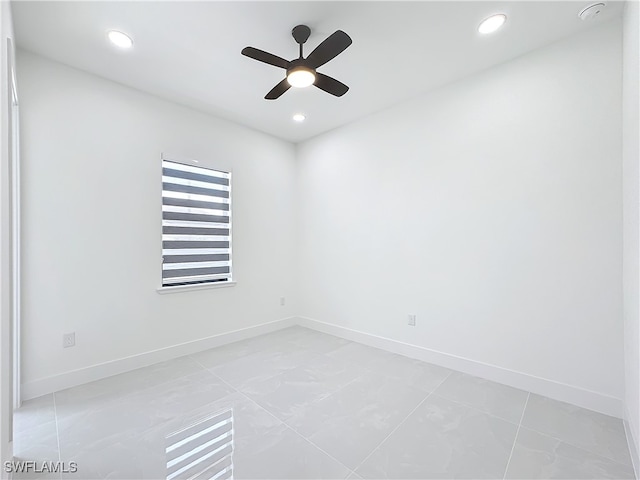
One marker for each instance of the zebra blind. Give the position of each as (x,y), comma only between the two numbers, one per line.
(196,225)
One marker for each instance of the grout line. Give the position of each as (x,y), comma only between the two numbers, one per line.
(515,439)
(472,407)
(282,421)
(430,394)
(401,423)
(568,442)
(559,440)
(55,414)
(433,392)
(332,393)
(294,431)
(216,376)
(319,448)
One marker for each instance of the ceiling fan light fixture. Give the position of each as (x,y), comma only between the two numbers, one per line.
(301,77)
(301,72)
(491,24)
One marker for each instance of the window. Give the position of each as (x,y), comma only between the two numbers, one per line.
(196,225)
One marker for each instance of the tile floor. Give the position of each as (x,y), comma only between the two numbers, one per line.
(309,405)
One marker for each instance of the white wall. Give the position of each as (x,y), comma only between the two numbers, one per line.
(491,209)
(6,400)
(91,221)
(631,204)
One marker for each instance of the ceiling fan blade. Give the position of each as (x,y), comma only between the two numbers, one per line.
(332,46)
(330,85)
(278,90)
(265,57)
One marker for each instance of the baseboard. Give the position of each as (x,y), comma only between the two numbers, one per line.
(633,443)
(43,386)
(591,400)
(549,388)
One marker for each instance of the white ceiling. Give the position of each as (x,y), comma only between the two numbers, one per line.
(189,52)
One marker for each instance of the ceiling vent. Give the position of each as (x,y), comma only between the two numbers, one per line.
(592,11)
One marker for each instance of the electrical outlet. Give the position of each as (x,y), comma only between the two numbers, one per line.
(69,340)
(412,320)
(282,301)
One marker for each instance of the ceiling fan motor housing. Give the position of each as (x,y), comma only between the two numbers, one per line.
(299,64)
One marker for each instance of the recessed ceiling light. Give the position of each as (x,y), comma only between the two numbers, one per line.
(299,117)
(120,39)
(591,12)
(491,24)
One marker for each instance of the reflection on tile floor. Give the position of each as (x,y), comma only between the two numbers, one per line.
(302,404)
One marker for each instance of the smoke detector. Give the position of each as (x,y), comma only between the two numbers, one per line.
(591,11)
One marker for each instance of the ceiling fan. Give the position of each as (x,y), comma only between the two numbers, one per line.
(301,72)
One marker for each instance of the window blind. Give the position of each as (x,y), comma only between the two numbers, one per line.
(196,225)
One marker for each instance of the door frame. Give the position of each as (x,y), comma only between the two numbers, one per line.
(14,172)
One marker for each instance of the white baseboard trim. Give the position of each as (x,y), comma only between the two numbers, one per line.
(581,397)
(43,386)
(632,441)
(567,393)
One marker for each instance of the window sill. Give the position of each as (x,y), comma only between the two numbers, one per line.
(186,288)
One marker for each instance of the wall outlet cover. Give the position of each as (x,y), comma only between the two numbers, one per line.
(69,340)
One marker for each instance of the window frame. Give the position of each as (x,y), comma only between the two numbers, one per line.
(163,289)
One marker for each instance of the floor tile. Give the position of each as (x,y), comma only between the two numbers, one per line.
(260,366)
(490,397)
(38,471)
(592,431)
(312,405)
(94,429)
(281,453)
(120,458)
(141,454)
(319,342)
(34,413)
(249,419)
(361,355)
(339,372)
(419,374)
(444,439)
(39,443)
(183,395)
(294,390)
(102,391)
(283,335)
(350,423)
(539,456)
(280,341)
(137,412)
(224,354)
